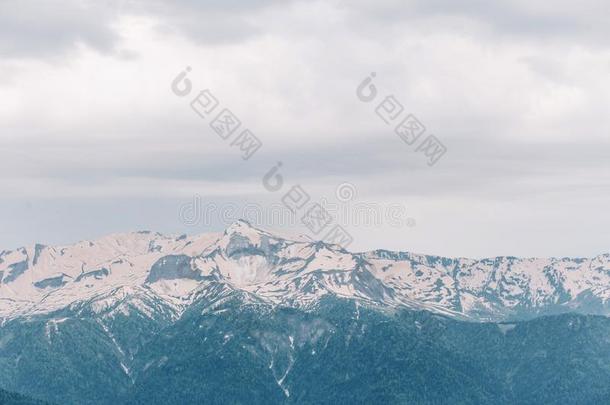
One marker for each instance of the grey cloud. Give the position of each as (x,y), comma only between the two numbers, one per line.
(538,19)
(489,169)
(208,22)
(43,29)
(30,28)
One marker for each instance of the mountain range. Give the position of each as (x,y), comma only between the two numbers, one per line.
(246,316)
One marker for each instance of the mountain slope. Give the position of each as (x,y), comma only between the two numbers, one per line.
(236,350)
(9,398)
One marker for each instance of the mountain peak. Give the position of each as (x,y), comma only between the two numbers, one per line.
(239,225)
(246,229)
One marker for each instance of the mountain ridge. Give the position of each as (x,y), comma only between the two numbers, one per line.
(292,272)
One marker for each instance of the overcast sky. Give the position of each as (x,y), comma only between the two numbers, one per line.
(93,140)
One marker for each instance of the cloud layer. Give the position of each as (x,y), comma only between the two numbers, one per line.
(517,91)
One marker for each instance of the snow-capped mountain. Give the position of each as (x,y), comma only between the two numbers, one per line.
(162,275)
(249,317)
